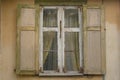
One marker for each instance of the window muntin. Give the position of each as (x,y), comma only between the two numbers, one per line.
(67,27)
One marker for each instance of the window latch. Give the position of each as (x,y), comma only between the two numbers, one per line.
(60,28)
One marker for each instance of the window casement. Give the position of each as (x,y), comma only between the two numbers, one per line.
(60,40)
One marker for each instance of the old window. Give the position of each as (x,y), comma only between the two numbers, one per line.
(60,40)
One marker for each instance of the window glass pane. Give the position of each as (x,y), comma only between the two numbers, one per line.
(71,18)
(50,50)
(50,18)
(72,51)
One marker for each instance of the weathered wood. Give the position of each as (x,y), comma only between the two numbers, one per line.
(93,55)
(94,43)
(27,50)
(23,67)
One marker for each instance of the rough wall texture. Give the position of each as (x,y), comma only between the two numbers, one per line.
(112,15)
(8,42)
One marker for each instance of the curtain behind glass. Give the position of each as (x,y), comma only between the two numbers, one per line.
(50,50)
(71,40)
(72,51)
(50,40)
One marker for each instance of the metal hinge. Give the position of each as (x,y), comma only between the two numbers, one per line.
(41,70)
(58,70)
(64,70)
(81,70)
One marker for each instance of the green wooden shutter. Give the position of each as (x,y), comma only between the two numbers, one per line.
(27,40)
(94,40)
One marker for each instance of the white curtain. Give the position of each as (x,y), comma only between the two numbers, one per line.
(71,40)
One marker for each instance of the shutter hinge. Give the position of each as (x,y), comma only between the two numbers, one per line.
(41,70)
(36,72)
(81,70)
(14,70)
(105,29)
(58,70)
(64,70)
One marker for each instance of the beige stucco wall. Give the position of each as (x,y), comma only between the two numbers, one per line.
(8,42)
(112,10)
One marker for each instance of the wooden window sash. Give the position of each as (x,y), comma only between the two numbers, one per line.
(61,62)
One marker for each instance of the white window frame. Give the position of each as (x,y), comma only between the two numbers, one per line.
(61,61)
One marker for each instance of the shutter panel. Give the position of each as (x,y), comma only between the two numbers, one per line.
(94,40)
(27,40)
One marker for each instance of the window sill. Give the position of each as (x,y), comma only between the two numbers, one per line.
(60,74)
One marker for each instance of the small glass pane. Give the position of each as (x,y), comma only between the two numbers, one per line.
(72,51)
(50,18)
(50,50)
(71,18)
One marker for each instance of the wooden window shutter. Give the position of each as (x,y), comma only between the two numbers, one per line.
(94,40)
(27,40)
